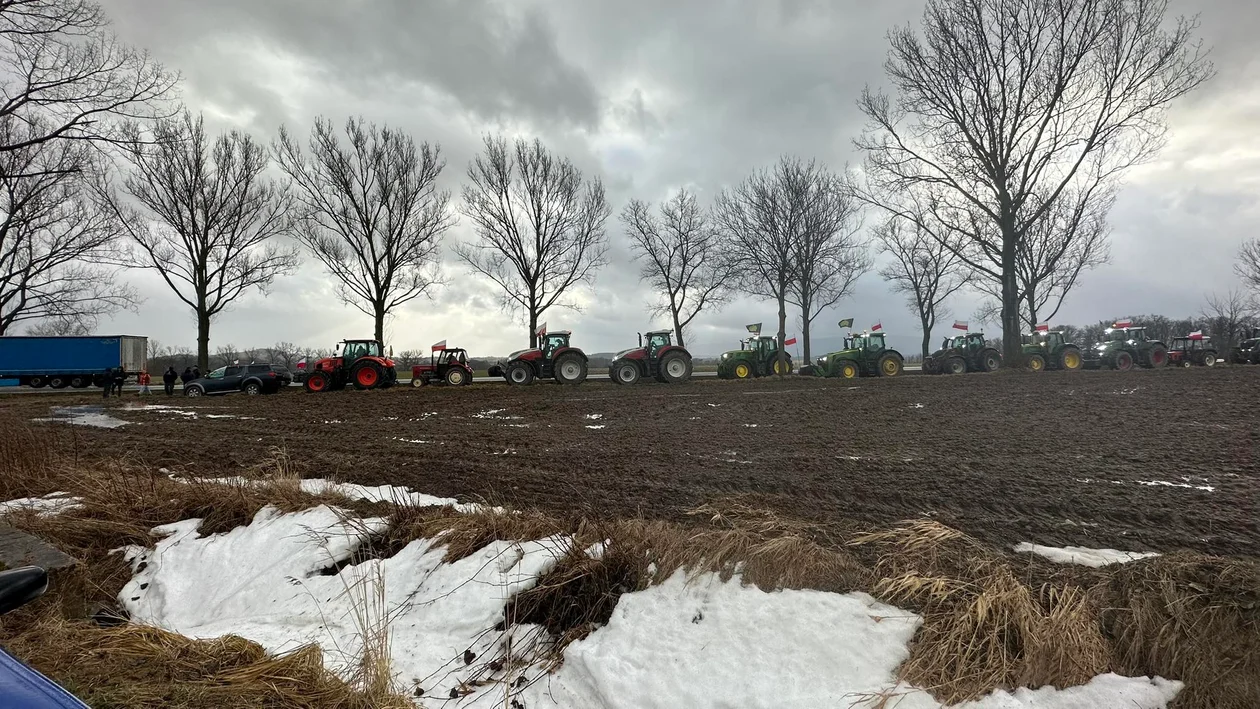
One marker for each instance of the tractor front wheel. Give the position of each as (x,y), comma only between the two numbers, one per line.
(418,381)
(743,370)
(318,382)
(456,376)
(570,369)
(520,373)
(848,370)
(889,365)
(1123,361)
(1157,357)
(956,365)
(1036,363)
(1071,359)
(366,376)
(626,373)
(782,366)
(675,367)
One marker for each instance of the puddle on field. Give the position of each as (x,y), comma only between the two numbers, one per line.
(93,416)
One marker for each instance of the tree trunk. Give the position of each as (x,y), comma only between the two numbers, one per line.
(203,339)
(805,359)
(379,316)
(1031,299)
(533,328)
(782,355)
(678,328)
(1012,355)
(926,322)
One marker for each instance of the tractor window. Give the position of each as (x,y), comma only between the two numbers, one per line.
(1054,339)
(352,351)
(554,342)
(875,342)
(655,343)
(371,349)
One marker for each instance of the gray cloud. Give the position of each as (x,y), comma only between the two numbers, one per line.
(651,96)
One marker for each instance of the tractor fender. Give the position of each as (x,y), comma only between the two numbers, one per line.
(894,352)
(673,348)
(566,350)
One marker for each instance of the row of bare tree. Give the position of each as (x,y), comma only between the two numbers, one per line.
(993,164)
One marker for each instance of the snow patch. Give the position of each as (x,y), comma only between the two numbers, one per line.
(93,416)
(1165,483)
(333,421)
(598,426)
(47,506)
(1083,556)
(593,417)
(397,495)
(496,414)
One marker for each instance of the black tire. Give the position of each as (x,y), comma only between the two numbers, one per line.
(889,365)
(58,382)
(1209,358)
(1156,357)
(1069,356)
(417,382)
(990,360)
(38,382)
(1123,361)
(316,383)
(252,388)
(625,373)
(79,382)
(675,367)
(367,375)
(193,391)
(930,367)
(1036,363)
(520,373)
(456,376)
(955,365)
(570,369)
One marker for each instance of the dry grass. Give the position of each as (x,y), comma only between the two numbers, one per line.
(983,627)
(1194,618)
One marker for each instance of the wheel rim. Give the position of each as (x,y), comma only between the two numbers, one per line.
(456,377)
(890,367)
(1036,364)
(252,390)
(742,371)
(780,367)
(676,368)
(957,367)
(417,382)
(991,363)
(518,375)
(1158,357)
(626,374)
(316,383)
(848,371)
(1071,360)
(1209,360)
(367,376)
(1123,361)
(194,392)
(571,370)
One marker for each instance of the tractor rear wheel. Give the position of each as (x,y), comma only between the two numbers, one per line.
(990,360)
(570,368)
(456,376)
(930,366)
(782,366)
(1036,363)
(1124,361)
(1071,359)
(889,365)
(1209,359)
(848,369)
(743,370)
(318,382)
(366,376)
(626,373)
(956,365)
(675,367)
(418,381)
(1156,357)
(520,373)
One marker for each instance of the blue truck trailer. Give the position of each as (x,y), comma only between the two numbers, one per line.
(78,362)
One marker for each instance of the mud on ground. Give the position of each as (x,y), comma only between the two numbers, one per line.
(1143,461)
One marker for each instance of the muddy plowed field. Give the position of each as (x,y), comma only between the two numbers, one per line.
(1136,461)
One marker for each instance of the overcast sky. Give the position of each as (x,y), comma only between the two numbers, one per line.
(652,96)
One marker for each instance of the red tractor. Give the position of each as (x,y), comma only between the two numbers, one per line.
(359,362)
(552,359)
(658,358)
(449,366)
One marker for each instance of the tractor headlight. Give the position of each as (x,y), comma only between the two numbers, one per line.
(726,355)
(822,360)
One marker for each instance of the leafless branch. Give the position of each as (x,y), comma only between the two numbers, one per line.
(922,269)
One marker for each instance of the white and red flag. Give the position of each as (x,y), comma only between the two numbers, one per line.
(1123,323)
(790,341)
(960,325)
(301,363)
(438,346)
(877,327)
(1043,327)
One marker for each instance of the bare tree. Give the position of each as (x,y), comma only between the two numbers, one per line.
(285,353)
(681,257)
(225,355)
(1069,239)
(59,247)
(922,269)
(370,211)
(1248,266)
(58,327)
(207,217)
(539,225)
(762,218)
(1006,106)
(1229,315)
(830,256)
(67,77)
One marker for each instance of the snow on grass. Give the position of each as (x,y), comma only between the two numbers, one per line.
(593,417)
(270,584)
(47,506)
(1083,556)
(395,494)
(700,643)
(598,426)
(93,416)
(1186,485)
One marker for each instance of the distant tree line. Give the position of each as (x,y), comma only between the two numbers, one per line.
(991,164)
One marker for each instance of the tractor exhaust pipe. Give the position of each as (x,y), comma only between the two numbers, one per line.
(640,338)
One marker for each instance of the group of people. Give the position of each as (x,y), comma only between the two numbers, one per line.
(114,377)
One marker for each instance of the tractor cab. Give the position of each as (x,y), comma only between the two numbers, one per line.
(554,342)
(657,341)
(761,345)
(355,349)
(870,342)
(1193,349)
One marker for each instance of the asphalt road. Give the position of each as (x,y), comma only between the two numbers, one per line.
(157,389)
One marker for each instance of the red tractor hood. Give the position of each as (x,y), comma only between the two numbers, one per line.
(634,353)
(530,354)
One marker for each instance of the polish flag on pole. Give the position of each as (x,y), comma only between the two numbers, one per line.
(960,325)
(1196,335)
(790,341)
(877,327)
(542,330)
(301,363)
(1123,323)
(438,346)
(1043,327)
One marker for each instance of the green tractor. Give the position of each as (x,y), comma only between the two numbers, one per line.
(1050,350)
(962,354)
(864,355)
(1125,346)
(757,356)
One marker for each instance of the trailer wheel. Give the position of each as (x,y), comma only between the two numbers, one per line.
(58,383)
(38,382)
(79,383)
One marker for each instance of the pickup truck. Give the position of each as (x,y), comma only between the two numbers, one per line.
(61,362)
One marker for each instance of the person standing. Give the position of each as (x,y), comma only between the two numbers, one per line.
(120,378)
(187,376)
(143,380)
(196,372)
(107,381)
(168,380)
